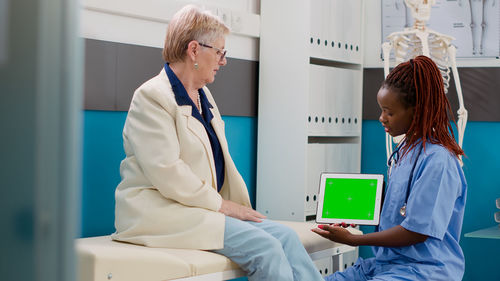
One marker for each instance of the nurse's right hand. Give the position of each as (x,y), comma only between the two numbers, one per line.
(237,211)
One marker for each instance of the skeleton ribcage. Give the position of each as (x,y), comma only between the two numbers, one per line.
(409,46)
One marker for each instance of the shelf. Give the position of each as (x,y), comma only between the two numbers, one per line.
(489,233)
(334,139)
(335,63)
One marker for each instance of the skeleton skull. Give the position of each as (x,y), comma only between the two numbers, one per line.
(420,9)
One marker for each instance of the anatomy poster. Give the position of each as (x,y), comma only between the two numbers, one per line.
(475,24)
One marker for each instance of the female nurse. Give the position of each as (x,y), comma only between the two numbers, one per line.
(421,219)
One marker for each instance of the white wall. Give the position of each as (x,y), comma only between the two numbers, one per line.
(144,22)
(373,35)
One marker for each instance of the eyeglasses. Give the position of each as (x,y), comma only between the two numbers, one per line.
(220,52)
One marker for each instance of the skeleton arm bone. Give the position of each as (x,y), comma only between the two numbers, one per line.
(386,49)
(462,112)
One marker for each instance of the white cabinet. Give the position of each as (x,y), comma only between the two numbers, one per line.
(310,101)
(325,266)
(335,30)
(334,101)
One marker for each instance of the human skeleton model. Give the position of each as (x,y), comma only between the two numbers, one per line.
(477,14)
(419,40)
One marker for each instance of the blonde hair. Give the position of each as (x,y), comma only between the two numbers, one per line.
(188,24)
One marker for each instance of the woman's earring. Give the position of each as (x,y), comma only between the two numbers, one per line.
(195,65)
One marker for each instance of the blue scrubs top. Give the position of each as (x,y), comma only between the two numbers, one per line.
(182,98)
(435,208)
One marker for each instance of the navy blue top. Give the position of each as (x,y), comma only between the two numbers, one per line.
(182,98)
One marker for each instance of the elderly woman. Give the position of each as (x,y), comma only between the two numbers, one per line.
(180,187)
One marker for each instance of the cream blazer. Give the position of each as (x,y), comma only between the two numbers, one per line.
(168,194)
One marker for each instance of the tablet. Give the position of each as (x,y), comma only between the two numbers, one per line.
(350,198)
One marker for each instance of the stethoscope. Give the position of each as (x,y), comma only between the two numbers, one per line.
(390,163)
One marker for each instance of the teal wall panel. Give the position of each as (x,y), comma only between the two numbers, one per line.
(241,135)
(102,154)
(481,167)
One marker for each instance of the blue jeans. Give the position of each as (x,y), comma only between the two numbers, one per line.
(267,251)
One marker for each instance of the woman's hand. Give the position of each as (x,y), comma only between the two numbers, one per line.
(335,233)
(241,212)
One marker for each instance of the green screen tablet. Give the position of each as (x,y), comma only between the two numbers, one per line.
(350,198)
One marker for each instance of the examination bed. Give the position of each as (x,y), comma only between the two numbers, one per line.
(101,259)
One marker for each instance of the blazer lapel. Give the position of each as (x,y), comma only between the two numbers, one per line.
(199,130)
(219,131)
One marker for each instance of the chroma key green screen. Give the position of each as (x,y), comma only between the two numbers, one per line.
(349,198)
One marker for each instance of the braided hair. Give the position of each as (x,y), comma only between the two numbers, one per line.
(420,85)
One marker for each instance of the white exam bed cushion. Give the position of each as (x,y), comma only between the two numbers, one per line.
(102,259)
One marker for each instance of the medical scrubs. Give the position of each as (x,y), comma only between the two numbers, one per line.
(435,208)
